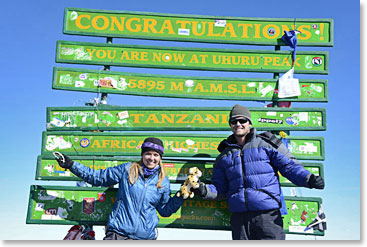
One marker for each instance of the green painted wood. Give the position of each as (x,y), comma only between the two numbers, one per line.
(175,170)
(104,117)
(308,62)
(64,205)
(196,28)
(175,144)
(244,89)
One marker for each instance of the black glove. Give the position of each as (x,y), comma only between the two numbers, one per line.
(201,191)
(63,160)
(316,182)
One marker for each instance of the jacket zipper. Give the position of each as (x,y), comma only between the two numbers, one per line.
(143,196)
(141,204)
(244,179)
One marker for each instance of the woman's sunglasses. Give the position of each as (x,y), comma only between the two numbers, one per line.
(242,121)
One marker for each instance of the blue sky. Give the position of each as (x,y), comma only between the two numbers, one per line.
(30,30)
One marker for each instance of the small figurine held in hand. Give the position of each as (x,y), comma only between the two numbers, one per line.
(192,181)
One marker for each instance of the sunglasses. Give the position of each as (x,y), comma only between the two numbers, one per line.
(242,121)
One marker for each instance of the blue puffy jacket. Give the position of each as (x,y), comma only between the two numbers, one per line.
(259,189)
(134,212)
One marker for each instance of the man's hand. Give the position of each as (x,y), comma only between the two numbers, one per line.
(201,191)
(316,182)
(63,160)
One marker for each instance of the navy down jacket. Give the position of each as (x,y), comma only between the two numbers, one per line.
(134,212)
(248,176)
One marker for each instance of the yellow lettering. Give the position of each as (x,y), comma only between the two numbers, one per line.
(276,61)
(131,144)
(176,86)
(105,22)
(115,144)
(170,119)
(183,23)
(182,117)
(194,59)
(198,118)
(245,29)
(229,29)
(267,60)
(115,22)
(216,88)
(199,87)
(91,52)
(152,117)
(136,117)
(232,88)
(211,30)
(78,21)
(167,25)
(125,56)
(195,28)
(137,26)
(285,61)
(257,31)
(101,53)
(210,118)
(296,62)
(96,144)
(257,60)
(305,32)
(105,142)
(245,60)
(215,60)
(149,24)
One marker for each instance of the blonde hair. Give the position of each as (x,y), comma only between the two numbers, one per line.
(137,167)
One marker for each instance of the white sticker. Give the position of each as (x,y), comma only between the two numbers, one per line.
(64,144)
(271,113)
(46,217)
(73,15)
(251,84)
(40,206)
(220,23)
(83,76)
(79,84)
(317,32)
(182,31)
(309,147)
(123,114)
(189,83)
(57,122)
(300,229)
(266,90)
(52,193)
(122,121)
(303,116)
(190,142)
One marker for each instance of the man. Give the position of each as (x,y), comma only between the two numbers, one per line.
(246,174)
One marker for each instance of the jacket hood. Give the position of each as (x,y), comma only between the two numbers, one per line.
(232,142)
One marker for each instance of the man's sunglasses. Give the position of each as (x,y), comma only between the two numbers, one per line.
(242,121)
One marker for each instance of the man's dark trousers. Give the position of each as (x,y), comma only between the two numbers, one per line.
(260,225)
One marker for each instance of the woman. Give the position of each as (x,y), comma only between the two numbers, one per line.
(143,189)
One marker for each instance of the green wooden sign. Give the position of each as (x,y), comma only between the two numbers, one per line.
(175,144)
(85,205)
(105,117)
(191,58)
(196,28)
(253,89)
(176,171)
